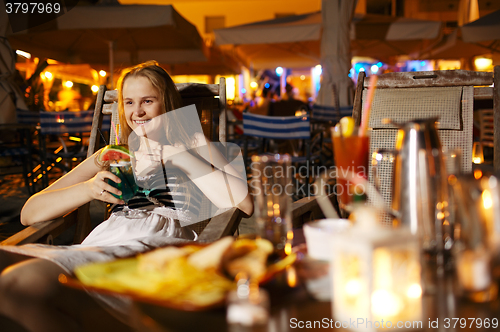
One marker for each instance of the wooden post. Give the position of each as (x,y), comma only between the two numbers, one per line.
(496,118)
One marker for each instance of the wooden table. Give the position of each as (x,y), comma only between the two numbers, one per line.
(292,308)
(295,308)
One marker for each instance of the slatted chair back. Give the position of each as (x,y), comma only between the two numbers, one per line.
(66,122)
(26,117)
(65,125)
(487,129)
(330,115)
(273,127)
(18,147)
(402,97)
(282,128)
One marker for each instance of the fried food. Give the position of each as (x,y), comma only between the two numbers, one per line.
(249,257)
(210,257)
(193,276)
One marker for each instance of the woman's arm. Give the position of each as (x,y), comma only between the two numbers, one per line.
(81,185)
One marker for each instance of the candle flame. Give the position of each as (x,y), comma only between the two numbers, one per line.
(386,303)
(487,200)
(414,291)
(353,287)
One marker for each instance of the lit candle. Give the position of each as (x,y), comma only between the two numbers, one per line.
(473,270)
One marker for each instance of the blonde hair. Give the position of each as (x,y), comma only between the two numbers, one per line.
(169,98)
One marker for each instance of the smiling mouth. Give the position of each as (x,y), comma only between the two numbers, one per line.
(141,122)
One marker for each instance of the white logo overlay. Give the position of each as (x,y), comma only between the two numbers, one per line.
(163,150)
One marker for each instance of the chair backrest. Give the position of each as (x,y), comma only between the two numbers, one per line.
(65,122)
(27,117)
(409,95)
(486,127)
(330,114)
(285,127)
(210,101)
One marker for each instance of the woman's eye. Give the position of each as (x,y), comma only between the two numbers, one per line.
(128,103)
(147,101)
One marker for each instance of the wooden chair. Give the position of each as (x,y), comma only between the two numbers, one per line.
(486,127)
(409,95)
(329,115)
(17,150)
(212,101)
(71,130)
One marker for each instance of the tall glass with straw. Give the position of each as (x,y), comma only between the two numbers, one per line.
(128,186)
(351,147)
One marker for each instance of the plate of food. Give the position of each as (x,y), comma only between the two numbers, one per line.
(191,277)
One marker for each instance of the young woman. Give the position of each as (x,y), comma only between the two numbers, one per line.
(29,291)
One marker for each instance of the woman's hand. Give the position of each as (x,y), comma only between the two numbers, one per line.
(99,189)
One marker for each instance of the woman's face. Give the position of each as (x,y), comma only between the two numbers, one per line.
(141,101)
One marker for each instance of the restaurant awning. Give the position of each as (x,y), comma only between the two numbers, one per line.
(294,41)
(114,36)
(452,46)
(484,31)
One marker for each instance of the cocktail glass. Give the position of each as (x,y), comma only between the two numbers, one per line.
(351,156)
(127,186)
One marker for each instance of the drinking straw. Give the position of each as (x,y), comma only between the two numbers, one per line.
(116,134)
(114,128)
(368,105)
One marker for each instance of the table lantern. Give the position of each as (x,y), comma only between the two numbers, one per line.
(376,275)
(477,235)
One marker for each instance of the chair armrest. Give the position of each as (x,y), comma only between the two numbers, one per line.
(221,225)
(307,209)
(46,229)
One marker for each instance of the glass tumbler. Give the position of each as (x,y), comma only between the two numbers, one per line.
(272,189)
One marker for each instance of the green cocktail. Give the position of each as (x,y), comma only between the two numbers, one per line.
(127,186)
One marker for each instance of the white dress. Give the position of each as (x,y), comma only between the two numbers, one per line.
(116,237)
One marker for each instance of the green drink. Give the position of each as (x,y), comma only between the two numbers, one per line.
(128,186)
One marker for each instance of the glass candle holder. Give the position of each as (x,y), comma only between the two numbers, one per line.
(376,275)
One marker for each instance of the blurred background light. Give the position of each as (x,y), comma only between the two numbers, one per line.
(23,54)
(483,63)
(279,71)
(230,88)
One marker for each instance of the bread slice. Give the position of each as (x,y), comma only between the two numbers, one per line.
(210,257)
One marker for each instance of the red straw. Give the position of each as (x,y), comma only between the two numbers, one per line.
(368,105)
(115,131)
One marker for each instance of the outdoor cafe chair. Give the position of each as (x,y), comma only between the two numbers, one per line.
(18,147)
(210,100)
(287,128)
(486,128)
(448,95)
(70,129)
(329,115)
